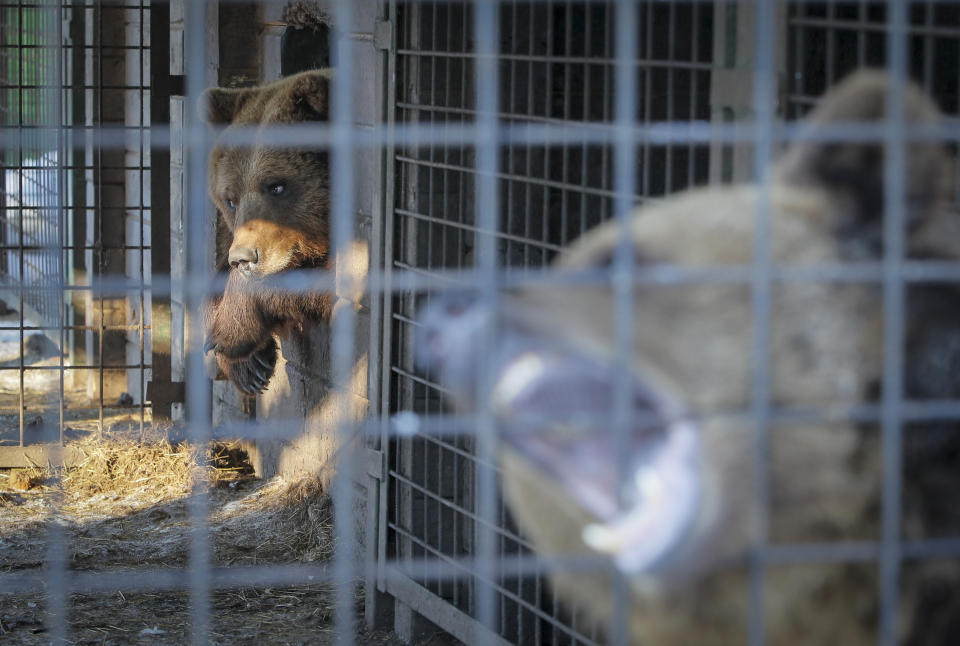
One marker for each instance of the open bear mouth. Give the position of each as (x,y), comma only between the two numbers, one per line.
(557,408)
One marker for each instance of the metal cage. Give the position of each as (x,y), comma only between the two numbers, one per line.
(470,142)
(76,217)
(555,67)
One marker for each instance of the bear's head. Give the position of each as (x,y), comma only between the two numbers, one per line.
(274,201)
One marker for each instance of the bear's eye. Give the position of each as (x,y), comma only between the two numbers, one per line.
(231,205)
(277,189)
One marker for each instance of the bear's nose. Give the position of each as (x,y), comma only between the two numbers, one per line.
(243,258)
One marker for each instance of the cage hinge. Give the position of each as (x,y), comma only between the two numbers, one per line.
(383,34)
(166,392)
(376,467)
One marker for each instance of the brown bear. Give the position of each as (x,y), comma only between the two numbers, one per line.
(682,523)
(274,205)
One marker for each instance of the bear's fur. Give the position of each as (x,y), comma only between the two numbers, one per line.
(274,205)
(688,454)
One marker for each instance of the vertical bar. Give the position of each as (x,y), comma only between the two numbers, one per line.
(142,132)
(160,316)
(893,322)
(50,38)
(344,322)
(605,152)
(198,16)
(403,506)
(584,147)
(621,273)
(694,73)
(76,225)
(645,190)
(97,269)
(861,37)
(671,114)
(510,157)
(388,224)
(928,48)
(764,94)
(20,193)
(63,158)
(487,208)
(565,147)
(799,68)
(831,56)
(529,150)
(447,64)
(548,113)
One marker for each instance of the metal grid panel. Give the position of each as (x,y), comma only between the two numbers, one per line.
(828,40)
(436,483)
(556,67)
(76,213)
(31,180)
(921,41)
(538,203)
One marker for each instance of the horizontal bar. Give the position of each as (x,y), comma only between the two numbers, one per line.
(57,248)
(463,511)
(487,577)
(42,209)
(314,280)
(406,424)
(69,367)
(440,611)
(524,179)
(319,135)
(419,379)
(540,244)
(507,565)
(159,580)
(875,27)
(67,86)
(549,58)
(85,328)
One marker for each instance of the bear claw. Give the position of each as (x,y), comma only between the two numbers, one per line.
(252,374)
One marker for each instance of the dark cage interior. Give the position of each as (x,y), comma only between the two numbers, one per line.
(827,41)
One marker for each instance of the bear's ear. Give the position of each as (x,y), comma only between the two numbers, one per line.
(220,104)
(310,95)
(853,171)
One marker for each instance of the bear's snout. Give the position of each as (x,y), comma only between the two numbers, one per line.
(243,259)
(262,248)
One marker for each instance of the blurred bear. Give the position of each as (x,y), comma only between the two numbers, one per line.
(673,499)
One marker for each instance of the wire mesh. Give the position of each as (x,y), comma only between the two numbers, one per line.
(508,129)
(75,212)
(557,65)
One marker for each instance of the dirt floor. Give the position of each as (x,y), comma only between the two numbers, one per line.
(125,506)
